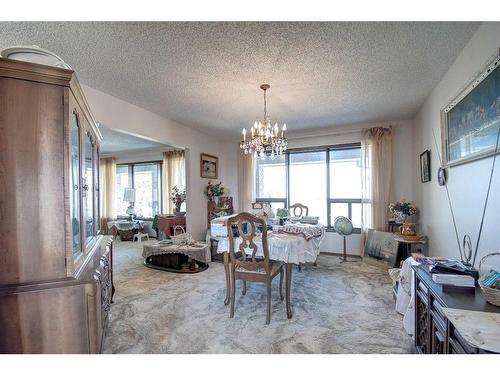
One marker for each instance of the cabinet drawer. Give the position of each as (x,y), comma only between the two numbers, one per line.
(423,288)
(455,347)
(460,343)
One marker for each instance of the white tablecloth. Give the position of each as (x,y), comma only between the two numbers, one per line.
(125,224)
(285,247)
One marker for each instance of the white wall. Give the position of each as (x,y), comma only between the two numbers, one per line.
(468,182)
(118,114)
(404,159)
(138,156)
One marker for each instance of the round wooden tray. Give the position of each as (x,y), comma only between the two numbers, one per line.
(173,263)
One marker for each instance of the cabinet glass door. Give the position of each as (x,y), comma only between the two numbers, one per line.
(75,209)
(89,187)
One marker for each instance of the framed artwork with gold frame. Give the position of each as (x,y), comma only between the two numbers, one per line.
(209,166)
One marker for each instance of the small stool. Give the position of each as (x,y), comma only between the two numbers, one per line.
(139,237)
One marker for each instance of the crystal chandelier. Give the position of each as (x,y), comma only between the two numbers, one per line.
(264,139)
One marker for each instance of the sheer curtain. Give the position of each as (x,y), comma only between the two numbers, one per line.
(247,187)
(108,182)
(174,174)
(376,170)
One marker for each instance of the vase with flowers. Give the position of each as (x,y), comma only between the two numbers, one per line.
(214,190)
(178,196)
(401,210)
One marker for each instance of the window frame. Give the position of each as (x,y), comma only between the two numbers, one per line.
(329,200)
(130,171)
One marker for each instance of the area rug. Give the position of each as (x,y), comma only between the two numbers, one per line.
(338,308)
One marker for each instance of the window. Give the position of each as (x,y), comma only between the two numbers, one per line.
(123,180)
(145,178)
(327,180)
(308,182)
(270,181)
(345,184)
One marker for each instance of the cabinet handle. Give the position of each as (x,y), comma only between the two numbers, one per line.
(75,186)
(86,187)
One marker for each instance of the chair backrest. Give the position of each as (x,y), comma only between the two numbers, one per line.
(299,206)
(179,229)
(248,262)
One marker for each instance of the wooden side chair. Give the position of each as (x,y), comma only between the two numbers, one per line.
(252,268)
(303,210)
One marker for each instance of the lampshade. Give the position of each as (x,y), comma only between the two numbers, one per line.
(129,195)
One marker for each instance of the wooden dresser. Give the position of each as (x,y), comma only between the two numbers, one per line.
(56,279)
(434,334)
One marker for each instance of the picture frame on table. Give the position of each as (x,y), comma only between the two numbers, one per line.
(209,166)
(425,166)
(470,122)
(381,248)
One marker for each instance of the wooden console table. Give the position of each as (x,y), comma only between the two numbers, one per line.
(434,333)
(167,223)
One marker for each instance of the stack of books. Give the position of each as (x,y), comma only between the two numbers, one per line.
(451,282)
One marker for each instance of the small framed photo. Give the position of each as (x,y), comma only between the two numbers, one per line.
(209,166)
(425,166)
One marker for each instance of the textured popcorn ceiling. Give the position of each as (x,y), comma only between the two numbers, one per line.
(207,75)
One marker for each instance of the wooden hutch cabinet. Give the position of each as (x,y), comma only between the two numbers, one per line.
(434,333)
(56,280)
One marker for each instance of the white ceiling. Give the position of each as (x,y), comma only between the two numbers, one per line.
(115,142)
(207,75)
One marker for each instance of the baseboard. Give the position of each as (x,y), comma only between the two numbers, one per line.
(340,254)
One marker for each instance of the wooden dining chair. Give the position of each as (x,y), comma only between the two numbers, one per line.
(252,268)
(303,210)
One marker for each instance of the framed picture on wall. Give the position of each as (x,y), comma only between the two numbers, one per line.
(469,124)
(425,166)
(209,166)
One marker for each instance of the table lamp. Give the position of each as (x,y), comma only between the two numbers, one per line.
(129,196)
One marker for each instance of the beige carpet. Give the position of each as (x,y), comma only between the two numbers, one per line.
(338,308)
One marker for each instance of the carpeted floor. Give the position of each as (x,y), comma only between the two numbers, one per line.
(338,308)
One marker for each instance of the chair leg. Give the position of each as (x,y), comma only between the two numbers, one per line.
(300,267)
(244,291)
(282,272)
(233,287)
(228,279)
(268,315)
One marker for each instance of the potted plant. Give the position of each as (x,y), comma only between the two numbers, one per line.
(178,197)
(401,210)
(282,214)
(214,190)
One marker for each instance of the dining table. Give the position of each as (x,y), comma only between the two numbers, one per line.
(290,248)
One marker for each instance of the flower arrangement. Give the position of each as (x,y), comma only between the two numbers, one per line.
(282,212)
(178,197)
(401,210)
(214,190)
